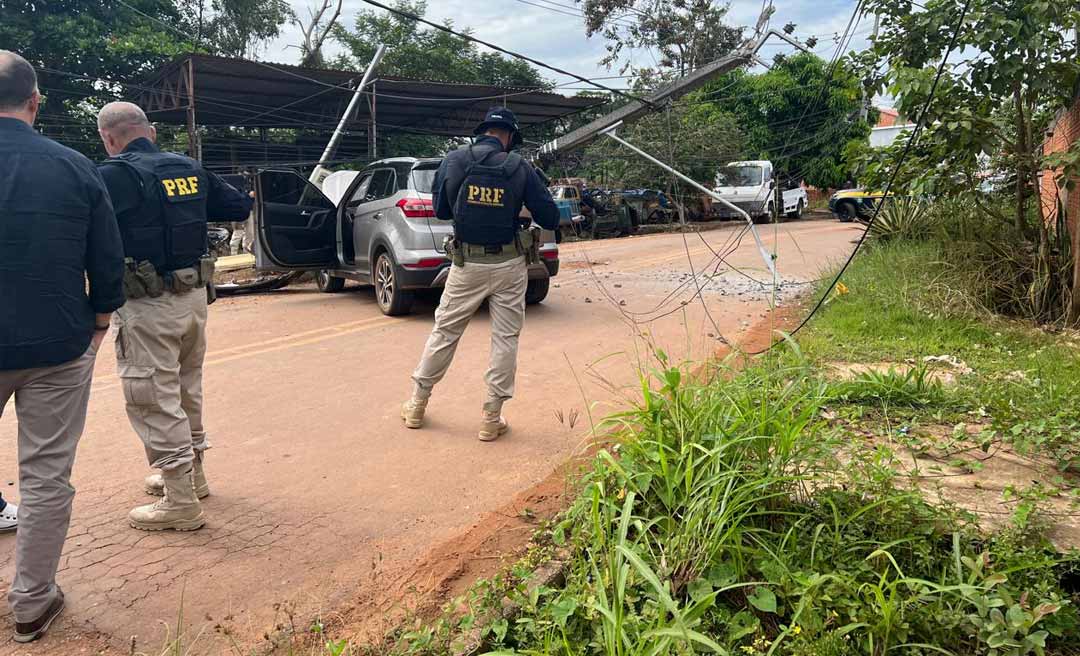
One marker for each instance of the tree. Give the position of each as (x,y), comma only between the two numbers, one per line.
(239,28)
(683,136)
(85,51)
(687,33)
(417,52)
(316,29)
(1014,65)
(428,54)
(802,114)
(1021,68)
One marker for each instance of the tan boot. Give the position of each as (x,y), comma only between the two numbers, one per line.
(155,484)
(492,427)
(179,509)
(412,411)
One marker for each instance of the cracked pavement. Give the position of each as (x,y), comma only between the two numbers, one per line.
(316,486)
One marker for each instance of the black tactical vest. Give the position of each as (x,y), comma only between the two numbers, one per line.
(169,228)
(485,212)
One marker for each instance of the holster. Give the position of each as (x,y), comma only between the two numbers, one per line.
(528,244)
(207,266)
(453,249)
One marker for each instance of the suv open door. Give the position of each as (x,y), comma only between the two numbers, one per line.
(296,224)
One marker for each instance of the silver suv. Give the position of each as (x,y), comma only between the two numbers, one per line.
(379,229)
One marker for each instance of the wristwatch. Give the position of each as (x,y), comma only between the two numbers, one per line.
(100,329)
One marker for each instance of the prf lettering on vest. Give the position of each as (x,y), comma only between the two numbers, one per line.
(188,186)
(488,196)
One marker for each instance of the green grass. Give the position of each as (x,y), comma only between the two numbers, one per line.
(724,521)
(904,302)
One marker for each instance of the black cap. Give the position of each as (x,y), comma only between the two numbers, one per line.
(501,117)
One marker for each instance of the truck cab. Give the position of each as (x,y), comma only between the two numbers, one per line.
(751,186)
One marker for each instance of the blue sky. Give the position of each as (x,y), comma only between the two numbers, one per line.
(549,31)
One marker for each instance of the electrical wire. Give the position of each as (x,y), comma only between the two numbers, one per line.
(853,21)
(469,37)
(919,125)
(572,12)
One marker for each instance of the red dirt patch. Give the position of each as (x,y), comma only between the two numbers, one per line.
(419,592)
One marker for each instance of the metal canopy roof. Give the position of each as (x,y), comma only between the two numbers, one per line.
(236,92)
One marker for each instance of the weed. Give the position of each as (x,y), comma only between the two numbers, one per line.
(915,387)
(904,218)
(721,519)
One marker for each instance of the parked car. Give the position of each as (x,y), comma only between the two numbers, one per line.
(382,231)
(649,205)
(568,200)
(751,186)
(850,204)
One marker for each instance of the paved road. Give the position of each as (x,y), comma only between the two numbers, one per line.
(315,482)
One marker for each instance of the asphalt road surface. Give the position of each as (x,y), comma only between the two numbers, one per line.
(316,483)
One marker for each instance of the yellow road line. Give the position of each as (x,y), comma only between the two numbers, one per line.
(653,261)
(270,346)
(294,336)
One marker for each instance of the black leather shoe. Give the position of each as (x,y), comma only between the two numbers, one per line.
(31,631)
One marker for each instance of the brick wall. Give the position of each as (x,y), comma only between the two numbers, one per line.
(1065,131)
(887,117)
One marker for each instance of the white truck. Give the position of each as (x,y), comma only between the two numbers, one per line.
(751,186)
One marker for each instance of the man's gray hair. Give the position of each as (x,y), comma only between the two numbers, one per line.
(18,81)
(122,118)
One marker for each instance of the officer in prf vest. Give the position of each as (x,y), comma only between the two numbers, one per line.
(482,187)
(162,201)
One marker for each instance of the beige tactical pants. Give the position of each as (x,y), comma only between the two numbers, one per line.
(160,345)
(503,286)
(50,403)
(243,236)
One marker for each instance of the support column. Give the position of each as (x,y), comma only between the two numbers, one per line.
(373,130)
(194,142)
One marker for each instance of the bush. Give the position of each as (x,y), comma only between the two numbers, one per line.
(997,267)
(722,523)
(903,218)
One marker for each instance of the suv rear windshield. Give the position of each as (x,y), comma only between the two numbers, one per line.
(423,177)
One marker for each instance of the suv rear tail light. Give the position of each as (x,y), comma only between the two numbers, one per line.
(416,208)
(427,263)
(550,254)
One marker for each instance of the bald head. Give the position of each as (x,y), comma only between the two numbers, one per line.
(120,123)
(19,96)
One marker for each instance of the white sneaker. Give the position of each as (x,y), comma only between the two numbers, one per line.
(9,518)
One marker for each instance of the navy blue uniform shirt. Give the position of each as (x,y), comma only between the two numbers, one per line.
(451,174)
(223,203)
(57,230)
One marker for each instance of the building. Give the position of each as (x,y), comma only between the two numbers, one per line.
(888,117)
(1063,133)
(890,125)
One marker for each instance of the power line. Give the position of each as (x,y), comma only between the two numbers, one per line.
(469,37)
(569,11)
(919,124)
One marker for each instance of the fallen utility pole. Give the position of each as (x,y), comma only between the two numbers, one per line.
(320,172)
(768,259)
(745,54)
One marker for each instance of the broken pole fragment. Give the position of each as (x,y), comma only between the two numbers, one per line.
(769,264)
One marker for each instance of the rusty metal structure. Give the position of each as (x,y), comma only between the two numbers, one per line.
(248,97)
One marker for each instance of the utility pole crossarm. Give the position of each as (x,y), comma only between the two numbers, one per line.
(634,109)
(745,54)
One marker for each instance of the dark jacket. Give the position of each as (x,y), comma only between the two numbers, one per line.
(57,230)
(451,174)
(223,203)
